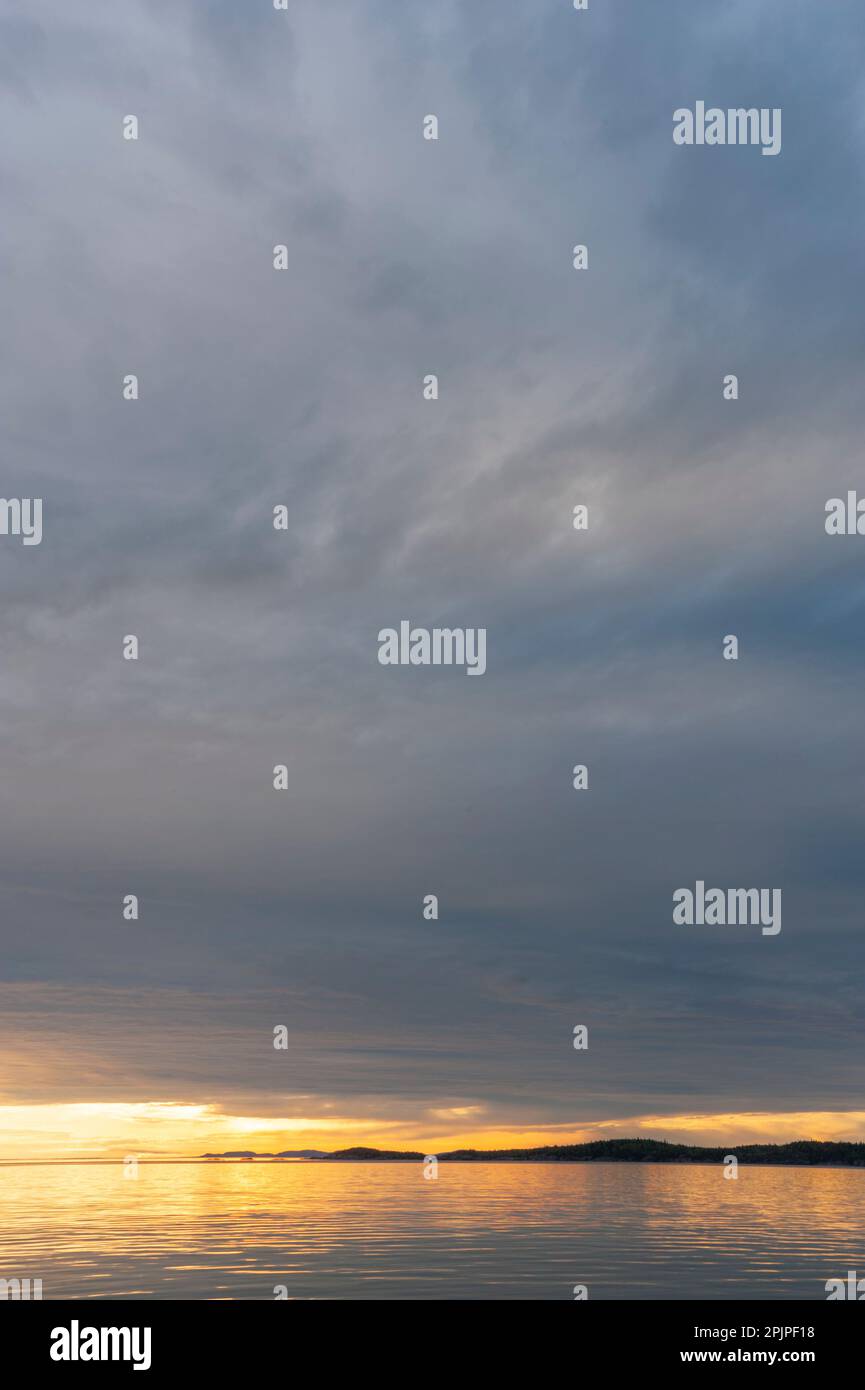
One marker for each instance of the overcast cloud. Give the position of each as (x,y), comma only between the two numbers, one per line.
(259,647)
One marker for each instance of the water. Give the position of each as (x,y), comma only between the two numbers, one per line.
(381,1231)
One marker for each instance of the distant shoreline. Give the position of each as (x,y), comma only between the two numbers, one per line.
(801,1153)
(266,1161)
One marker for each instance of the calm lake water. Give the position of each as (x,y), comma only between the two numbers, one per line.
(381,1231)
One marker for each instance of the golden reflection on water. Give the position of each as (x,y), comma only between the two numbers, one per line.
(379,1230)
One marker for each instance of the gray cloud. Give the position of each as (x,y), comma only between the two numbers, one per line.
(259,647)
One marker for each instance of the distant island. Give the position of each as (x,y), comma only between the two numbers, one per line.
(801,1152)
(286,1153)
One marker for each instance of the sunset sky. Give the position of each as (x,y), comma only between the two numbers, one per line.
(258,647)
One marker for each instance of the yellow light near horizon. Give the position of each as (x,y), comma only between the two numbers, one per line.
(111,1129)
(764,1127)
(252,1124)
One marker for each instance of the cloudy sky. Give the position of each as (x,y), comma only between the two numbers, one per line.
(258,647)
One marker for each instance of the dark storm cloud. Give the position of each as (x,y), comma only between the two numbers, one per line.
(259,647)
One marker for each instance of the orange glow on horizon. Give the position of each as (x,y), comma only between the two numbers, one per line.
(169,1129)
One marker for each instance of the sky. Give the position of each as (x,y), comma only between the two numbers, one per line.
(303,908)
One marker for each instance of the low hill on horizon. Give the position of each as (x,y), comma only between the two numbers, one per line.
(808,1152)
(286,1153)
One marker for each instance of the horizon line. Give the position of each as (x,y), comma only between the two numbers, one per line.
(370,1154)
